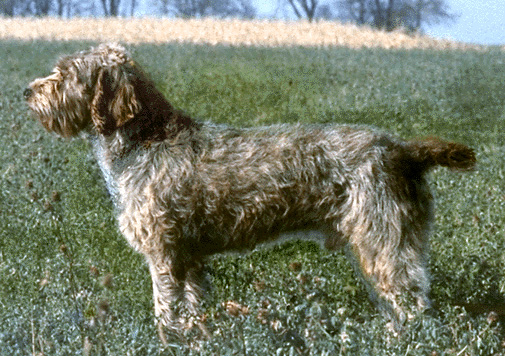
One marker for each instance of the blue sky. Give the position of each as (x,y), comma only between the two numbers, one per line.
(479,21)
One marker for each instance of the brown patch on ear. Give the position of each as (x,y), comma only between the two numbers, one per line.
(124,105)
(98,104)
(114,102)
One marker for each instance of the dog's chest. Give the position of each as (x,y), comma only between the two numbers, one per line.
(106,167)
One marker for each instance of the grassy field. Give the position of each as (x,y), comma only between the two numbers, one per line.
(69,283)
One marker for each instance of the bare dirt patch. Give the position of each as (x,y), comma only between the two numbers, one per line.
(213,32)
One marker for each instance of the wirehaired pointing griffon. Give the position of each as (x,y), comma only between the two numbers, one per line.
(185,190)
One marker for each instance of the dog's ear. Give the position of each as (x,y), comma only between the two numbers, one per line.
(114,100)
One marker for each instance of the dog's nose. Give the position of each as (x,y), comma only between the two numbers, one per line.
(27,93)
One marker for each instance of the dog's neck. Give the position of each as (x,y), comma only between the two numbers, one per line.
(156,123)
(116,152)
(157,119)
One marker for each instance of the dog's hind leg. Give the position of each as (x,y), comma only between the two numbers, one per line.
(387,234)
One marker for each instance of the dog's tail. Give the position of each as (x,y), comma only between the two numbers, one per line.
(432,152)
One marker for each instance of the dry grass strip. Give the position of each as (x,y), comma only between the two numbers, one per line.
(213,32)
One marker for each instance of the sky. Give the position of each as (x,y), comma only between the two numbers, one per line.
(479,21)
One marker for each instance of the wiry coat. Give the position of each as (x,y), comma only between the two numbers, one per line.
(185,190)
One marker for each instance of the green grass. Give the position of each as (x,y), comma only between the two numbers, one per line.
(55,254)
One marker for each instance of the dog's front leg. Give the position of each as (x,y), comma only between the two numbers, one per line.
(168,292)
(177,294)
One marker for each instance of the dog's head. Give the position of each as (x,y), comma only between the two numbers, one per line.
(94,90)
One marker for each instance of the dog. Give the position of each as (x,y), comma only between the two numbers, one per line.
(185,189)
